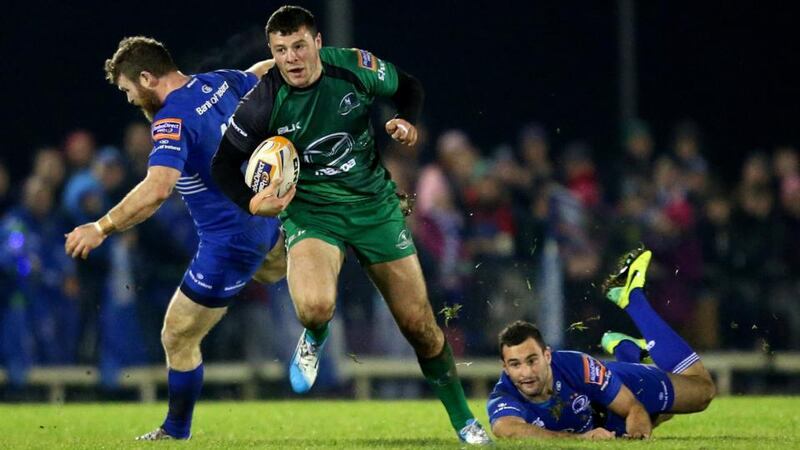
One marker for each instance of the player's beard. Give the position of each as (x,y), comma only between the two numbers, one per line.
(149,103)
(538,388)
(531,390)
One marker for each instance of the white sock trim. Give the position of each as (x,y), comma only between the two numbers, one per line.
(688,361)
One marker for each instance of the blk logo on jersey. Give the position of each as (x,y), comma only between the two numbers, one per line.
(167,129)
(289,128)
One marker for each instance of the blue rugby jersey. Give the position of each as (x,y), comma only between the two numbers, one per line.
(583,387)
(578,381)
(186,132)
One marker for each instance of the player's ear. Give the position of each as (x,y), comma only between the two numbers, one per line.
(318,40)
(147,79)
(548,354)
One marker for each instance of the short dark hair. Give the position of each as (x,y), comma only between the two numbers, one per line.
(139,54)
(289,18)
(517,333)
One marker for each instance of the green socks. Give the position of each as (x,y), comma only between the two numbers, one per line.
(440,373)
(318,334)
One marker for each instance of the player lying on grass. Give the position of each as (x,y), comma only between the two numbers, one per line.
(545,394)
(189,114)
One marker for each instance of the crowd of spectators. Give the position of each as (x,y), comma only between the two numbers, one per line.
(522,231)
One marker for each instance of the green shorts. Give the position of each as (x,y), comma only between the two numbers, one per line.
(375,229)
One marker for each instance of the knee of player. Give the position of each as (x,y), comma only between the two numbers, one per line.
(501,430)
(709,393)
(271,273)
(174,338)
(171,340)
(501,433)
(270,276)
(317,311)
(704,394)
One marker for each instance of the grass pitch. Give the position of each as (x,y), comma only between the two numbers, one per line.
(740,422)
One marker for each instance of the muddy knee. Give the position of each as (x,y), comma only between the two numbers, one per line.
(314,313)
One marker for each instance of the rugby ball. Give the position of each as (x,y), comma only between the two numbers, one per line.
(273,158)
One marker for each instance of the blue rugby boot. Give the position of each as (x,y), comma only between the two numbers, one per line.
(305,363)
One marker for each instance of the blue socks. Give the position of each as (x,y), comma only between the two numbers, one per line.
(668,350)
(184,390)
(627,351)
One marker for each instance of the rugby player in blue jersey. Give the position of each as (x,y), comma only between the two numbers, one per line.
(189,115)
(547,394)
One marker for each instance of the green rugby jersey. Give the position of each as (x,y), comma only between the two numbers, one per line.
(328,122)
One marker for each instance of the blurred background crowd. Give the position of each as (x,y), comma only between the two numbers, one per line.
(522,230)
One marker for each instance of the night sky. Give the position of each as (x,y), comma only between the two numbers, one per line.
(488,67)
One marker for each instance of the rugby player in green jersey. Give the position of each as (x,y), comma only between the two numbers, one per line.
(319,99)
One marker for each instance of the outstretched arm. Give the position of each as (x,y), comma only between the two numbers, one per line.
(261,67)
(140,203)
(516,427)
(637,420)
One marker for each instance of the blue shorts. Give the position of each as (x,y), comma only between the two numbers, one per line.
(222,266)
(651,386)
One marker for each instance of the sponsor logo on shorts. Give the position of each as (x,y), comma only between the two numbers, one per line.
(404,240)
(538,422)
(239,284)
(169,128)
(349,102)
(663,396)
(650,345)
(199,280)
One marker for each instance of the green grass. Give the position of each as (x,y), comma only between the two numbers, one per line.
(744,422)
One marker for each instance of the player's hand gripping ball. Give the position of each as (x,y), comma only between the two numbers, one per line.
(273,159)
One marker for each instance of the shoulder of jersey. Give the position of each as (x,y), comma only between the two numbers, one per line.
(350,58)
(331,54)
(566,357)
